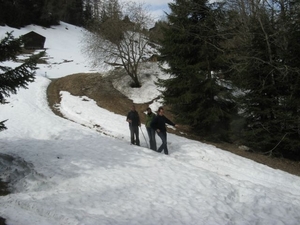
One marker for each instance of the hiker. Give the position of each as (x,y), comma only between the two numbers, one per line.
(134,123)
(151,132)
(159,125)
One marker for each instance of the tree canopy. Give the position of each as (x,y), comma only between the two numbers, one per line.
(19,13)
(196,91)
(245,49)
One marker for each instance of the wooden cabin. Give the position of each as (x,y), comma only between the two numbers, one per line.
(33,40)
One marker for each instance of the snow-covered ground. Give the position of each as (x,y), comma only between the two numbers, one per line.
(61,172)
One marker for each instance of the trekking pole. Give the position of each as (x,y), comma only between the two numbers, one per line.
(144,137)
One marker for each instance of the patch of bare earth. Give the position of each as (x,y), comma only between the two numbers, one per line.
(94,86)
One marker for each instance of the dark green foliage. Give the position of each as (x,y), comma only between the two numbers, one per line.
(156,32)
(256,45)
(191,48)
(48,15)
(2,125)
(87,14)
(265,68)
(19,13)
(72,12)
(11,79)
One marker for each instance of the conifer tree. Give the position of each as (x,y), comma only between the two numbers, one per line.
(191,47)
(11,79)
(73,12)
(265,67)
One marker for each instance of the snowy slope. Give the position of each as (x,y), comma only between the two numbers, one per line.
(64,173)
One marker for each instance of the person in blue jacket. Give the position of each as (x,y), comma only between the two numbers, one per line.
(159,125)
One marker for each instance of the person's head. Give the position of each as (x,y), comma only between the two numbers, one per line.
(149,110)
(160,111)
(133,107)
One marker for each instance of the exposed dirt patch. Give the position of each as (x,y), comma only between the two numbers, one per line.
(102,91)
(93,86)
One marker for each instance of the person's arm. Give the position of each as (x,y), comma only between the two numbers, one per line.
(170,122)
(128,119)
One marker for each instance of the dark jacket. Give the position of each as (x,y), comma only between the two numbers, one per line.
(134,117)
(159,122)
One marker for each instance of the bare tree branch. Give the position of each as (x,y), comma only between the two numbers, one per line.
(121,40)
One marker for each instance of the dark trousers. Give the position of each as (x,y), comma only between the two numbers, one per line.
(151,135)
(134,132)
(163,137)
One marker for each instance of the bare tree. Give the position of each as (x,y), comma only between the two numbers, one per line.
(120,38)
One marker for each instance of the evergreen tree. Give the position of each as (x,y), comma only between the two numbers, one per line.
(72,12)
(11,79)
(5,9)
(191,47)
(290,145)
(20,13)
(49,14)
(88,14)
(264,66)
(156,32)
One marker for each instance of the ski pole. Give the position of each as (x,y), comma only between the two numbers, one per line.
(144,137)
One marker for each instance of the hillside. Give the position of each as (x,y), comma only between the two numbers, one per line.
(83,170)
(102,91)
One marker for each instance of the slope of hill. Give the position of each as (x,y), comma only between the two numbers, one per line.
(103,92)
(61,172)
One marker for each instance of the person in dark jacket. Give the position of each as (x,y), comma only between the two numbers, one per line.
(159,125)
(133,119)
(151,132)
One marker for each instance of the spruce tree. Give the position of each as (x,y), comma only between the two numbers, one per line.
(290,146)
(20,13)
(191,47)
(11,79)
(264,65)
(71,12)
